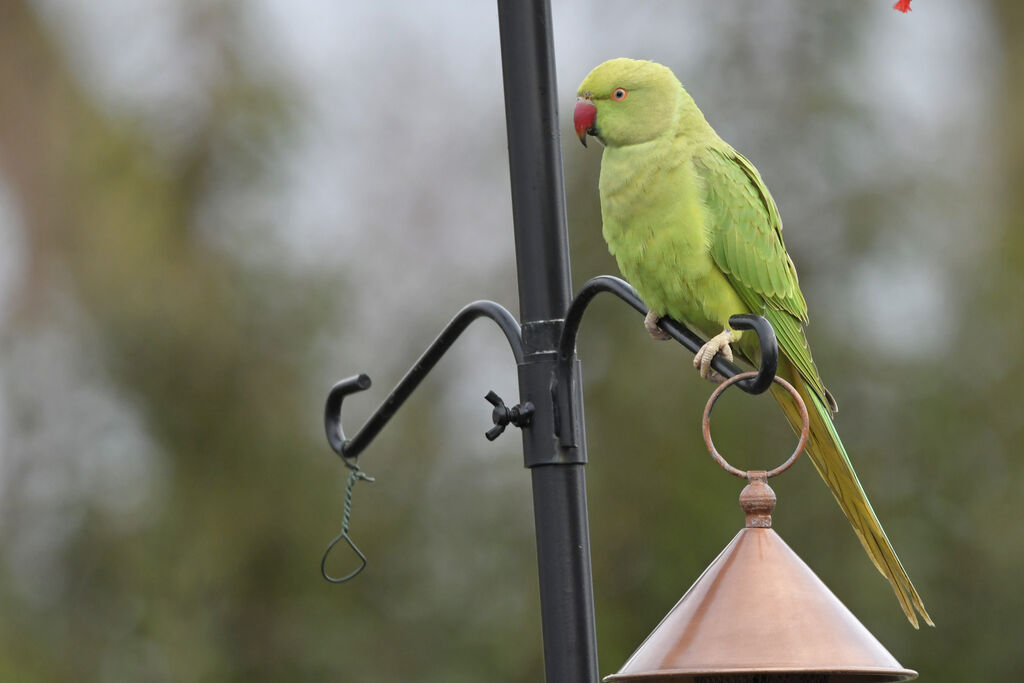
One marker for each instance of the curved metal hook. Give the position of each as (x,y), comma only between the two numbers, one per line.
(769,351)
(678,331)
(332,412)
(568,430)
(349,449)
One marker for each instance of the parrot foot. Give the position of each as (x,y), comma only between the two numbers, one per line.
(717,344)
(651,323)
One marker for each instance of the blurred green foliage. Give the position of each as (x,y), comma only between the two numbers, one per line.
(204,566)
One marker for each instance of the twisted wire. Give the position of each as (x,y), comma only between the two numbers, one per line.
(355,475)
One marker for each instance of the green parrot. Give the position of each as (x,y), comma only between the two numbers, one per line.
(694,229)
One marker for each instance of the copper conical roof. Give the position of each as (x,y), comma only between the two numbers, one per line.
(758,613)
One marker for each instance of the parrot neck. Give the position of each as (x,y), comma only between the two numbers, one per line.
(626,169)
(629,171)
(690,120)
(651,205)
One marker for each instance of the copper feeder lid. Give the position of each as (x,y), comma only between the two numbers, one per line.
(758,613)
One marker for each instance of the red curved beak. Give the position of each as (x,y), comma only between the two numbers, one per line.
(583,118)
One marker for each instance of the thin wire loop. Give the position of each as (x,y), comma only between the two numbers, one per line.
(706,427)
(355,475)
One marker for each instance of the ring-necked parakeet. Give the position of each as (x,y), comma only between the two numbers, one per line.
(695,230)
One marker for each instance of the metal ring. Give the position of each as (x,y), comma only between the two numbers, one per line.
(343,536)
(706,426)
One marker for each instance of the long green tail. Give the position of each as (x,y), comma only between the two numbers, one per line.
(830,459)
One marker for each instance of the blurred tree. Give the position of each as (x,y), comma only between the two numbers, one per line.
(209,352)
(194,342)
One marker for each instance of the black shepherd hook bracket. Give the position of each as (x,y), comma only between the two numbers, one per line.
(349,449)
(565,391)
(566,424)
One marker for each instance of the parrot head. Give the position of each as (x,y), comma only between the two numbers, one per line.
(628,101)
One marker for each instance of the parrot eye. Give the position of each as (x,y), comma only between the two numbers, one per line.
(619,94)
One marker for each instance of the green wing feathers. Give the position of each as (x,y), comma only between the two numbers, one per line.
(746,243)
(747,231)
(830,459)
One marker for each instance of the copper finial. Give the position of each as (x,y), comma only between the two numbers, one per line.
(758,500)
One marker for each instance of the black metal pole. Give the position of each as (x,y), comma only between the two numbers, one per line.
(542,258)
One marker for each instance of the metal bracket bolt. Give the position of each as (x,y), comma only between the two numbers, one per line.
(518,415)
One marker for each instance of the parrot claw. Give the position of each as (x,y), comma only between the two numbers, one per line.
(651,323)
(717,344)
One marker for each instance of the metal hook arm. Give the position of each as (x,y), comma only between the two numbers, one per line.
(622,289)
(351,448)
(678,331)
